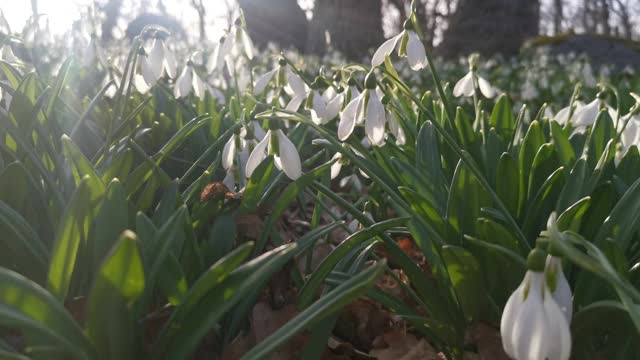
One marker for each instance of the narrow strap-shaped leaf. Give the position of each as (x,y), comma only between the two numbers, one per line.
(26,305)
(110,321)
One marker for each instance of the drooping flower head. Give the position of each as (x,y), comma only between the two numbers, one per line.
(189,80)
(467,84)
(286,79)
(323,101)
(408,44)
(366,108)
(285,154)
(235,153)
(533,326)
(587,114)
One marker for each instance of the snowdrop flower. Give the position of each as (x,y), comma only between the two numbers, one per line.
(366,108)
(586,115)
(629,137)
(532,325)
(221,50)
(233,44)
(235,153)
(244,41)
(467,84)
(287,79)
(562,117)
(160,61)
(325,106)
(189,79)
(336,167)
(285,154)
(409,46)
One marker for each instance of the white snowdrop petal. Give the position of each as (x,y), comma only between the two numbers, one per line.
(559,345)
(587,114)
(212,61)
(289,158)
(228,153)
(183,83)
(295,102)
(530,335)
(258,154)
(263,81)
(507,322)
(170,64)
(630,134)
(198,86)
(156,59)
(348,119)
(294,81)
(229,179)
(464,86)
(415,52)
(258,131)
(485,88)
(146,71)
(336,166)
(562,293)
(375,120)
(247,44)
(562,116)
(319,103)
(333,107)
(385,49)
(139,82)
(223,51)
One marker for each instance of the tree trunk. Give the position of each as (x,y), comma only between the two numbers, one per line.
(490,27)
(353,26)
(111,12)
(558,15)
(279,21)
(604,17)
(200,9)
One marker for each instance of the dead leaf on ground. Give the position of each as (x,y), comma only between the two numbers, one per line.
(487,340)
(404,346)
(250,226)
(361,322)
(264,322)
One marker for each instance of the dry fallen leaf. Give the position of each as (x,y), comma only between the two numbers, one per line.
(250,226)
(487,340)
(361,322)
(404,346)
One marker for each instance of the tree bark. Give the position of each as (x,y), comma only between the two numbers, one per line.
(112,12)
(558,16)
(353,26)
(604,17)
(490,27)
(199,7)
(279,21)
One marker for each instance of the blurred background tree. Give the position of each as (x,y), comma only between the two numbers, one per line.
(450,27)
